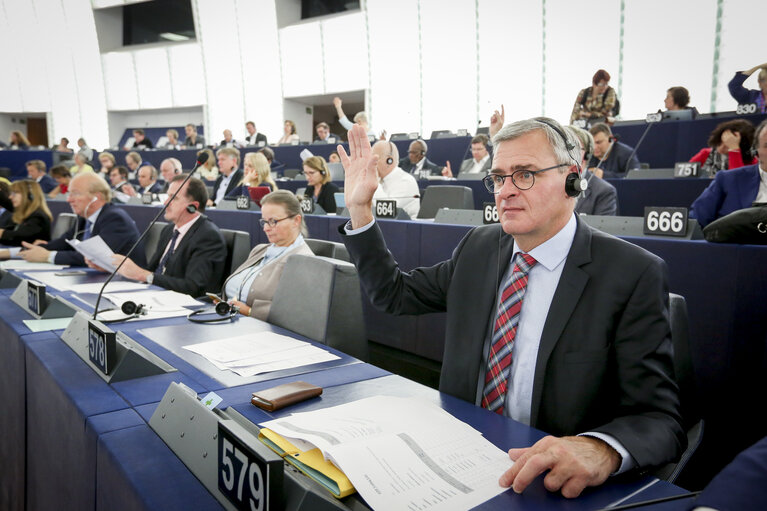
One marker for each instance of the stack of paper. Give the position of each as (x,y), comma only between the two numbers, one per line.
(260,352)
(96,250)
(402,453)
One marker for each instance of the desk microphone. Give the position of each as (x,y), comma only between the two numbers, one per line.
(636,147)
(201,159)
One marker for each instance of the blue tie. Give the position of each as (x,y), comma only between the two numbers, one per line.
(87,232)
(169,253)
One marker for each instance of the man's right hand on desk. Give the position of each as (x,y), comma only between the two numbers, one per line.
(361,176)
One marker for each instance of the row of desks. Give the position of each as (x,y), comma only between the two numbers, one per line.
(723,285)
(72,441)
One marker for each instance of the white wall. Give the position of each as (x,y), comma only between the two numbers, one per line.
(296,112)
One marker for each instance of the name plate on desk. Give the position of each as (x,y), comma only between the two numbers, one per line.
(243,202)
(101,347)
(36,297)
(654,117)
(662,221)
(386,208)
(687,169)
(307,205)
(746,108)
(146,198)
(489,213)
(244,477)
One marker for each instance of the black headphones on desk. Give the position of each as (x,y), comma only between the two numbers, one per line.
(130,309)
(226,312)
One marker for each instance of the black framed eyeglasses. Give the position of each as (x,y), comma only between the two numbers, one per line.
(523,179)
(272,221)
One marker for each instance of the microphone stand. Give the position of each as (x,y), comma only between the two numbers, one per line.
(202,159)
(636,147)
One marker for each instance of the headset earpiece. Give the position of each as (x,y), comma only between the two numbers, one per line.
(390,158)
(133,309)
(575,184)
(192,208)
(224,310)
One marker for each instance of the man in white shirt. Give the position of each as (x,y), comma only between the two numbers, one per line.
(479,163)
(360,118)
(393,182)
(549,322)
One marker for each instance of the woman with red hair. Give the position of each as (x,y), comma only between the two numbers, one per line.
(597,103)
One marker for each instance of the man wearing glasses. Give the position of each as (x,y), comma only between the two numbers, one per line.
(549,322)
(191,252)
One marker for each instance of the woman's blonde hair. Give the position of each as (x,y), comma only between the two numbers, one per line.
(263,169)
(32,199)
(318,163)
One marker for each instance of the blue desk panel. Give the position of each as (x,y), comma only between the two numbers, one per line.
(17,161)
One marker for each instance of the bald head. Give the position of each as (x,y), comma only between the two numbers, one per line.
(385,150)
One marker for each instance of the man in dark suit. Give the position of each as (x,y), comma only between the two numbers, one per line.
(36,170)
(229,175)
(416,162)
(191,252)
(611,158)
(735,189)
(590,338)
(253,137)
(600,197)
(324,135)
(147,180)
(89,198)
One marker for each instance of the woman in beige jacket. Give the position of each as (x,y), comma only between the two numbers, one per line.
(251,287)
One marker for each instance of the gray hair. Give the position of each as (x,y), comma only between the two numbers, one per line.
(585,138)
(361,117)
(549,128)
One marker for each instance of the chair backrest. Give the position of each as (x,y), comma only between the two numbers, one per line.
(330,249)
(320,298)
(63,223)
(152,239)
(683,369)
(237,249)
(291,173)
(435,197)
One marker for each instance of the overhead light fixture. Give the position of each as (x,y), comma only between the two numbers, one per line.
(170,36)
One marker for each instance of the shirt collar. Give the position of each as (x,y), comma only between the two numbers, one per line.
(554,250)
(94,215)
(185,228)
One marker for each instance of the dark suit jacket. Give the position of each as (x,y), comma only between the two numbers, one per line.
(115,227)
(197,263)
(617,160)
(338,139)
(406,165)
(37,226)
(468,163)
(604,362)
(599,198)
(741,485)
(47,183)
(326,199)
(233,184)
(730,191)
(155,188)
(145,144)
(260,137)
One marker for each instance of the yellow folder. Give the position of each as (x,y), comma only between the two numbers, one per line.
(311,463)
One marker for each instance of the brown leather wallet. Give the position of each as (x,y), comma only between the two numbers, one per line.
(283,395)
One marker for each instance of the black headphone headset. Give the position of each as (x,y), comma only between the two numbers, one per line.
(225,311)
(574,183)
(390,158)
(131,310)
(191,208)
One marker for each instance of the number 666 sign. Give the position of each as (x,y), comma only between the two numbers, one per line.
(665,221)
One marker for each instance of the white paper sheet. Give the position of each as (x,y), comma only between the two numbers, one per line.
(159,301)
(96,250)
(20,264)
(112,287)
(44,325)
(403,453)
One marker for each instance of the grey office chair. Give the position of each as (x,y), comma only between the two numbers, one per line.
(692,420)
(330,249)
(448,196)
(237,249)
(152,239)
(320,298)
(64,222)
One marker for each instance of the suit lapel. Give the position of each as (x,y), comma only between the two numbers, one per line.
(750,188)
(569,290)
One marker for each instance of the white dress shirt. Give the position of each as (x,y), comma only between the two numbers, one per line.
(761,195)
(478,165)
(221,192)
(402,187)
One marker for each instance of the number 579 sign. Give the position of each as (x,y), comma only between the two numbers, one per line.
(665,221)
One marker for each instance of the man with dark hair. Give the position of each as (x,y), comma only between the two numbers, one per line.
(254,137)
(549,322)
(276,165)
(735,189)
(479,163)
(677,98)
(141,141)
(118,177)
(193,139)
(36,171)
(88,197)
(610,158)
(191,252)
(416,162)
(324,134)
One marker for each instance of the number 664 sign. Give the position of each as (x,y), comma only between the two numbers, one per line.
(665,221)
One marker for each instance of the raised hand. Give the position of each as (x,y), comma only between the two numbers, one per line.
(446,170)
(360,176)
(496,121)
